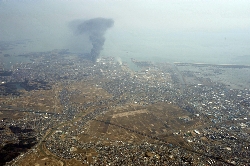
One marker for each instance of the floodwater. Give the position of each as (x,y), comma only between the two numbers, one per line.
(9,61)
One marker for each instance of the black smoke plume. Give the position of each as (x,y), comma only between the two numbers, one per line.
(95,30)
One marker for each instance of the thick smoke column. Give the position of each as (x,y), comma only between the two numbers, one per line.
(95,29)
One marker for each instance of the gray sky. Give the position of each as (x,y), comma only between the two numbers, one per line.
(171,30)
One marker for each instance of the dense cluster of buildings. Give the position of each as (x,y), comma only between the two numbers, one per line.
(224,141)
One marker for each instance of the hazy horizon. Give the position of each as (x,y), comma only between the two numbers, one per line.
(186,31)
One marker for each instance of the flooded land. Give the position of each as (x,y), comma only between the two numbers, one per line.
(58,108)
